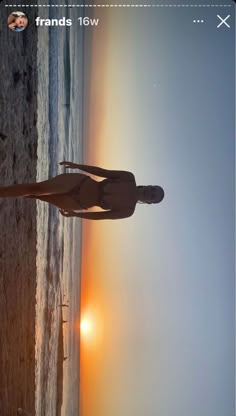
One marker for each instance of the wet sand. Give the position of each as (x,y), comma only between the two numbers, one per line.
(60,363)
(18,157)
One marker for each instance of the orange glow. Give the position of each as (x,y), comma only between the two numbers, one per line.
(90,327)
(86,327)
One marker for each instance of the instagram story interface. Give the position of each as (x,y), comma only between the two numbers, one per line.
(117,208)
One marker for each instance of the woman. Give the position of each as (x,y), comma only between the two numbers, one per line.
(117,195)
(17,21)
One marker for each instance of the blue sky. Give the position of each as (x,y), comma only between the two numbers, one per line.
(163,280)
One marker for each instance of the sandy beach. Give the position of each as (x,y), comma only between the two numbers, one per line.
(18,156)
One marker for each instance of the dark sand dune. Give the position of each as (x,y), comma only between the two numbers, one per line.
(18,153)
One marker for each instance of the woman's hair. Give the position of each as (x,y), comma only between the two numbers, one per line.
(160,194)
(23,16)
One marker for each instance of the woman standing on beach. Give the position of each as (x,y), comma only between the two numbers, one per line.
(117,195)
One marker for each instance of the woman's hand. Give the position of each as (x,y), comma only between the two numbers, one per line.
(69,165)
(12,25)
(66,213)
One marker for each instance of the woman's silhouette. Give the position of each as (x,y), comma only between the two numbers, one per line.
(117,195)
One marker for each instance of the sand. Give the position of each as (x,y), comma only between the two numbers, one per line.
(18,157)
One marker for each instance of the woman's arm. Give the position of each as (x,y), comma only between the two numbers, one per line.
(102,215)
(11,19)
(105,173)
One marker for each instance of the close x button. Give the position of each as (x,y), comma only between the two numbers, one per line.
(223,21)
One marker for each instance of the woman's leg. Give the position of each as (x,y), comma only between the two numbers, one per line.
(15,191)
(60,184)
(61,201)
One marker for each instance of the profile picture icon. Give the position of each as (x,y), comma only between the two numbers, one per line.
(17,21)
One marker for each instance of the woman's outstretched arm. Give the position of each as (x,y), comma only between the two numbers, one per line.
(101,215)
(94,170)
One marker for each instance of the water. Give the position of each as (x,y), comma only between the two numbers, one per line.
(60,105)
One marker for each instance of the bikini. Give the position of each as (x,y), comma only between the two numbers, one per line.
(102,194)
(76,191)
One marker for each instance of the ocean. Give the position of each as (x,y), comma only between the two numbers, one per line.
(60,131)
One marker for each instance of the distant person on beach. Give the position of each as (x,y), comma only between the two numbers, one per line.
(117,195)
(17,21)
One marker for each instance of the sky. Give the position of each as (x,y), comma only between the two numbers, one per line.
(158,287)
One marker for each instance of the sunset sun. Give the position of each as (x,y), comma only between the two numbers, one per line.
(90,327)
(86,326)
